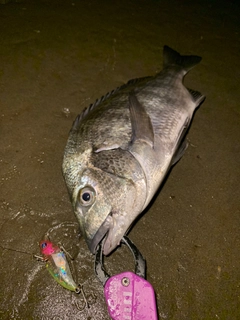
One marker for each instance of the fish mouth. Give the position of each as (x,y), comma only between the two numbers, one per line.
(112,229)
(101,233)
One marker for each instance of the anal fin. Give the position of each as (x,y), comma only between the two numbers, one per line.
(197,97)
(179,153)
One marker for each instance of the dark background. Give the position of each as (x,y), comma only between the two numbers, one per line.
(57,57)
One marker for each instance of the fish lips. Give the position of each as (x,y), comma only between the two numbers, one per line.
(113,229)
(99,235)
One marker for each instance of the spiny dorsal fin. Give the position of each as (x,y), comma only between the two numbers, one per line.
(92,106)
(172,57)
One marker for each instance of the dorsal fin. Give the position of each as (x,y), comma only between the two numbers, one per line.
(92,106)
(135,81)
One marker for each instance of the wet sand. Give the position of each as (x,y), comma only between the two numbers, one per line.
(57,57)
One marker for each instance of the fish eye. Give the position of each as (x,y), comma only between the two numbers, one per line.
(44,245)
(86,196)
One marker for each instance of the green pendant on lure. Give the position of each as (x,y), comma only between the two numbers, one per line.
(57,265)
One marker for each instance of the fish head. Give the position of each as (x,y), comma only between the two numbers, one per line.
(105,205)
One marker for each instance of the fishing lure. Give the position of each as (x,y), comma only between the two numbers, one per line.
(57,265)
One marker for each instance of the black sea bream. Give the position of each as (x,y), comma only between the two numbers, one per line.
(120,148)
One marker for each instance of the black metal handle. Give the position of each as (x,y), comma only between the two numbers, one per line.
(102,275)
(140,263)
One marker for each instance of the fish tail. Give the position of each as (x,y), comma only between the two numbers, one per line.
(172,57)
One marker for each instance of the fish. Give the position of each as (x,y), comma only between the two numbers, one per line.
(57,265)
(121,147)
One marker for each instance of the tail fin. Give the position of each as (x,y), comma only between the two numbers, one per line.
(172,57)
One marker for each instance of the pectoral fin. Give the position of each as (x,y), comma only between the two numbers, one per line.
(142,143)
(142,129)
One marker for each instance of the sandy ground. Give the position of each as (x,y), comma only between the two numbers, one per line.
(56,57)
